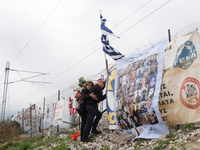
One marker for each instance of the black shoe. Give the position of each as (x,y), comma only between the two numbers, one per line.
(96,131)
(87,140)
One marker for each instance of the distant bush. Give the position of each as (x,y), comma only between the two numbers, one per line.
(8,130)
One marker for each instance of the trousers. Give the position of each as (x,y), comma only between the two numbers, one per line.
(91,113)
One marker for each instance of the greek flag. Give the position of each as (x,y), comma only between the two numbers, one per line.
(104,39)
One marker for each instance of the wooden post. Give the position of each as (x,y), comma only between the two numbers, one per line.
(31,120)
(58,100)
(106,62)
(22,120)
(43,117)
(169,35)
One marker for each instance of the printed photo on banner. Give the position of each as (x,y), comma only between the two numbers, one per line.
(135,94)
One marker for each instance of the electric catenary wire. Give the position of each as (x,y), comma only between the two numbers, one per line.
(89,45)
(99,37)
(35,32)
(101,47)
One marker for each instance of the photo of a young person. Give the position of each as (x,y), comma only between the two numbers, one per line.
(145,118)
(119,115)
(145,107)
(144,82)
(139,113)
(124,90)
(118,94)
(154,58)
(129,68)
(142,106)
(139,72)
(137,96)
(146,72)
(133,74)
(150,94)
(124,79)
(152,118)
(120,78)
(136,65)
(124,100)
(127,123)
(120,125)
(146,62)
(136,121)
(143,94)
(129,109)
(139,83)
(153,69)
(152,81)
(141,63)
(128,77)
(137,107)
(132,108)
(131,86)
(120,104)
(149,105)
(131,98)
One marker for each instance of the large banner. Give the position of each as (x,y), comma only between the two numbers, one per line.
(137,86)
(179,96)
(110,99)
(17,118)
(49,112)
(58,118)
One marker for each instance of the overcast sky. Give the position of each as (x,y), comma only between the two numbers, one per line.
(44,36)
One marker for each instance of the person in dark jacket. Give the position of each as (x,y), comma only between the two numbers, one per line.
(84,97)
(92,110)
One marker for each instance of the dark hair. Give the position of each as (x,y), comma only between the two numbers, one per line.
(89,82)
(99,79)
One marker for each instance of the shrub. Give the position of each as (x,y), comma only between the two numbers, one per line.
(24,146)
(188,127)
(8,130)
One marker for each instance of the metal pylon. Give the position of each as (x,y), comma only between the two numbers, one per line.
(5,91)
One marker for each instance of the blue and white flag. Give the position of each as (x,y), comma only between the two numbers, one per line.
(106,45)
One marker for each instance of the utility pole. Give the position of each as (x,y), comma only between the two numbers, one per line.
(101,103)
(7,69)
(5,91)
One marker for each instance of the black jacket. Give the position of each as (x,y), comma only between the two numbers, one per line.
(85,94)
(98,91)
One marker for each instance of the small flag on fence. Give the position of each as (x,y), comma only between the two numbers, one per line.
(104,39)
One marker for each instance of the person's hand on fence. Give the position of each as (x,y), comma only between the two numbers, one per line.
(94,96)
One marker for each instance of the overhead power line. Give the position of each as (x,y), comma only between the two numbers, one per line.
(98,49)
(35,32)
(99,37)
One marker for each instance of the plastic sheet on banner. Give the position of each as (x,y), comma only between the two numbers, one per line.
(137,86)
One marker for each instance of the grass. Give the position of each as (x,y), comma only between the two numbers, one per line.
(35,143)
(171,135)
(104,148)
(182,145)
(163,144)
(62,146)
(84,148)
(188,127)
(138,145)
(173,148)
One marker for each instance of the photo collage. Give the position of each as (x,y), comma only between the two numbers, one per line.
(135,93)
